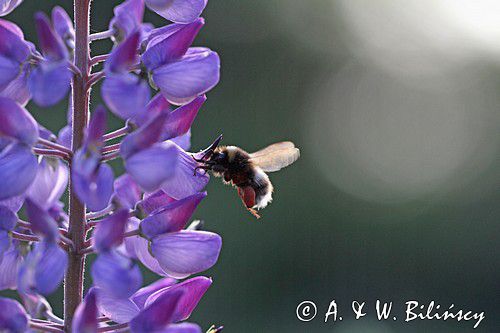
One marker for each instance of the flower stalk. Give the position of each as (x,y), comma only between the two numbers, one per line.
(73,282)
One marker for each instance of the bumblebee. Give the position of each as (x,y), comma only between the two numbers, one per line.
(248,171)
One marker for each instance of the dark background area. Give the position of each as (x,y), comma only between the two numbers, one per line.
(322,239)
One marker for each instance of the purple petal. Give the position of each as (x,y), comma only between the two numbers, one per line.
(183,328)
(144,137)
(153,201)
(4,243)
(85,163)
(193,75)
(170,45)
(13,318)
(157,105)
(49,82)
(11,26)
(9,70)
(6,6)
(183,253)
(9,267)
(17,170)
(13,203)
(96,190)
(64,136)
(172,217)
(63,25)
(96,129)
(127,192)
(157,315)
(124,56)
(183,141)
(184,182)
(8,219)
(85,317)
(45,133)
(140,248)
(151,167)
(128,18)
(17,89)
(13,46)
(43,269)
(51,269)
(182,118)
(125,94)
(129,246)
(141,296)
(109,232)
(116,274)
(16,122)
(180,11)
(50,182)
(41,222)
(192,292)
(120,310)
(51,44)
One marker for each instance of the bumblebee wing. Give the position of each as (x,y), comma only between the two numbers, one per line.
(275,156)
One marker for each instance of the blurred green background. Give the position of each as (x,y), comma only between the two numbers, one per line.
(395,108)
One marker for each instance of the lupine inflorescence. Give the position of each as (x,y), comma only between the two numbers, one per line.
(155,81)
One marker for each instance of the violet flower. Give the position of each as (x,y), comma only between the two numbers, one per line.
(8,220)
(13,318)
(85,320)
(44,267)
(156,306)
(181,73)
(93,180)
(50,182)
(167,249)
(18,165)
(10,263)
(125,93)
(180,11)
(127,19)
(50,80)
(112,271)
(63,26)
(14,52)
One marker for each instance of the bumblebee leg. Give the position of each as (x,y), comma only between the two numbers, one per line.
(254,213)
(247,195)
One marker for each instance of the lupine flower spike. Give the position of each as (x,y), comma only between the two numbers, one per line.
(156,82)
